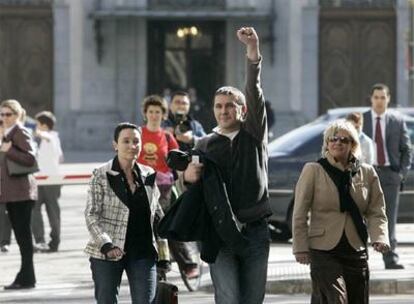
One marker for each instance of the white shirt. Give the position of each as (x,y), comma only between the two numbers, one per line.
(230,135)
(50,153)
(383,126)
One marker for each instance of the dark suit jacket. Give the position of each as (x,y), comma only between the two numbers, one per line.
(396,138)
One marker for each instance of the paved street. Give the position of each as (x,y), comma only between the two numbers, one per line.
(64,277)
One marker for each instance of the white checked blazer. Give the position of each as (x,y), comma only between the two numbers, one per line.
(107,216)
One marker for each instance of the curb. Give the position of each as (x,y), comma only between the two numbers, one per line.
(393,286)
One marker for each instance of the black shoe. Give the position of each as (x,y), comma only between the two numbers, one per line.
(393,266)
(15,286)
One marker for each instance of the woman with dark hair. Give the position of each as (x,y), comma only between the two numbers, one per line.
(18,192)
(121,211)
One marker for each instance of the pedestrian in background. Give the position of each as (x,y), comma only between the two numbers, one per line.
(238,146)
(185,128)
(367,145)
(338,203)
(156,142)
(121,210)
(18,192)
(49,156)
(393,159)
(187,131)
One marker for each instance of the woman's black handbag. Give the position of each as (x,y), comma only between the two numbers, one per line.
(16,169)
(167,293)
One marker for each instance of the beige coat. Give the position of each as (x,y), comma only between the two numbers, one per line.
(316,193)
(18,188)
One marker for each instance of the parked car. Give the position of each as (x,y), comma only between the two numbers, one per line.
(289,153)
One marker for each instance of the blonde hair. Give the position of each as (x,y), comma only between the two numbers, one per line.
(15,107)
(342,125)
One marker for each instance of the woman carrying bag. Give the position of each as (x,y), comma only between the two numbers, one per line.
(18,192)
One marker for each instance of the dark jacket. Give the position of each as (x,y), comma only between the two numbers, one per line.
(203,213)
(22,151)
(243,161)
(396,138)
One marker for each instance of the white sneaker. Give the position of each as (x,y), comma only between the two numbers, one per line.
(39,247)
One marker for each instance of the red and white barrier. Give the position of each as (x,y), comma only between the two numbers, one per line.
(70,174)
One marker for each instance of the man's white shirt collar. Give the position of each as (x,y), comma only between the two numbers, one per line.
(375,115)
(230,135)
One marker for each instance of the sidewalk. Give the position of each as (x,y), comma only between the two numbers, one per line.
(287,276)
(65,277)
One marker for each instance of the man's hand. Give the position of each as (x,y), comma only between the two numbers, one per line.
(249,37)
(5,146)
(186,137)
(302,258)
(193,172)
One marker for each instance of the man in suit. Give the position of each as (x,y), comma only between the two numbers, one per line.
(393,150)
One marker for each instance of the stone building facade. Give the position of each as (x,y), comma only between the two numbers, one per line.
(106,55)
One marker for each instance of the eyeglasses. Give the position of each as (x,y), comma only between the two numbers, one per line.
(342,139)
(9,114)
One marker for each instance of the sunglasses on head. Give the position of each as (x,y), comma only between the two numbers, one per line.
(6,114)
(341,139)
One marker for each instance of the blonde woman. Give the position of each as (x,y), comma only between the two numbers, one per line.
(346,205)
(18,192)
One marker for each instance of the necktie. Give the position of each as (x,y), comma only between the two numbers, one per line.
(380,143)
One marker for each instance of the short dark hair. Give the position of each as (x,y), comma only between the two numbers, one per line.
(46,118)
(380,86)
(179,93)
(238,96)
(124,125)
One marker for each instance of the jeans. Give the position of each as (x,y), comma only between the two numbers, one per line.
(107,275)
(240,277)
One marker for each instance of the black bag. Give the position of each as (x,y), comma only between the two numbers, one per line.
(167,293)
(16,169)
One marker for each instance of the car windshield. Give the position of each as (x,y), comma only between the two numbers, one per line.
(291,141)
